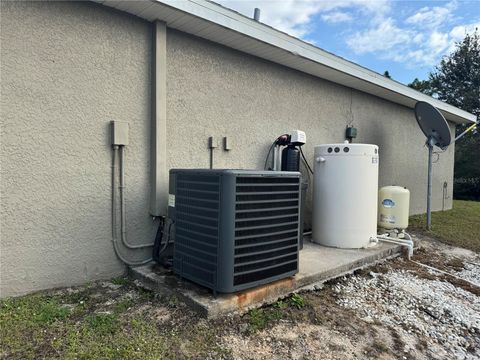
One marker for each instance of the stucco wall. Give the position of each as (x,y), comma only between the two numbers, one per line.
(216,91)
(67,70)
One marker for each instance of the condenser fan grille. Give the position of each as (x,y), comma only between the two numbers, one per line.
(266,227)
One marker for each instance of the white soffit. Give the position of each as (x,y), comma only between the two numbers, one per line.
(216,23)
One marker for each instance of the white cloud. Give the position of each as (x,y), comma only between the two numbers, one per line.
(432,17)
(438,42)
(385,36)
(420,40)
(459,32)
(294,16)
(337,17)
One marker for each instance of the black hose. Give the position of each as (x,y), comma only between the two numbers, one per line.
(158,241)
(160,244)
(268,154)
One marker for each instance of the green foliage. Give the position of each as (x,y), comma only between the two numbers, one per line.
(103,323)
(120,281)
(456,80)
(297,301)
(86,324)
(49,311)
(123,305)
(259,319)
(423,86)
(458,227)
(281,304)
(173,301)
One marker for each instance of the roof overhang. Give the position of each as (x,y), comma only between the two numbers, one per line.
(216,23)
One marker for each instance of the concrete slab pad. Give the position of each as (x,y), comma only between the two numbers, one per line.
(317,265)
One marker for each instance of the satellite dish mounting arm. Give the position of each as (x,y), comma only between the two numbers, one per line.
(470,128)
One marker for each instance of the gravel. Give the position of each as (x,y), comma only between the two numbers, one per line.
(471,273)
(439,311)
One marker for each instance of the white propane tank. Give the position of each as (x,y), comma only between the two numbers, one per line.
(345,193)
(393,207)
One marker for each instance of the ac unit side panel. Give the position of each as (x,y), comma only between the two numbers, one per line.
(197,225)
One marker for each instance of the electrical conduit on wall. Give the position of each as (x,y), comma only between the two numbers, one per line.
(159,176)
(122,209)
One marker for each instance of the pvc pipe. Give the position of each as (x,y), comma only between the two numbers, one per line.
(274,157)
(444,272)
(402,242)
(114,215)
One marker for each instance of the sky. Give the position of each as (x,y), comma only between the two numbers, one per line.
(407,38)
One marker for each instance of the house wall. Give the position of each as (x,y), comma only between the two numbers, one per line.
(69,68)
(216,91)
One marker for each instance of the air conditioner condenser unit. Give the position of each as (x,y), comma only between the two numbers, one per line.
(235,229)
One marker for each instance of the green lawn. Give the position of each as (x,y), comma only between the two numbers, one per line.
(117,321)
(459,226)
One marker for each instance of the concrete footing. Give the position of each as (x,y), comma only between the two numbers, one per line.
(317,265)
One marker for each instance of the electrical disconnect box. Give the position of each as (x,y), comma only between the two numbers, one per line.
(235,229)
(119,133)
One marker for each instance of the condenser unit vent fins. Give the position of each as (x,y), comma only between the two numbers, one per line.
(235,229)
(266,239)
(197,227)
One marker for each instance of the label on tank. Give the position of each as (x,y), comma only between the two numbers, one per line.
(388,219)
(388,203)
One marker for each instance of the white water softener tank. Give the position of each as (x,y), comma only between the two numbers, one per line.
(393,207)
(345,193)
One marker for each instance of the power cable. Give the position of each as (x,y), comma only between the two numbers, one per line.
(305,160)
(268,154)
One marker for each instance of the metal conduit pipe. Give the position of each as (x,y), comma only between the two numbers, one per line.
(123,227)
(114,215)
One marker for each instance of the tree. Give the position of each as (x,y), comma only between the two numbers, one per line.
(456,80)
(423,86)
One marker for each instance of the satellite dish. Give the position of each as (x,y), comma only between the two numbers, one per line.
(433,124)
(437,131)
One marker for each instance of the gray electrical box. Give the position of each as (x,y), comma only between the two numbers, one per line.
(235,229)
(119,132)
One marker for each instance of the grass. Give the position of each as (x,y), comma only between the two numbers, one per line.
(259,319)
(458,226)
(96,322)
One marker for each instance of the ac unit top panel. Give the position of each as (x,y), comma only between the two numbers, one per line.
(238,172)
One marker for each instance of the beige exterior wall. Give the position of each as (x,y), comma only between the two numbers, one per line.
(69,68)
(215,91)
